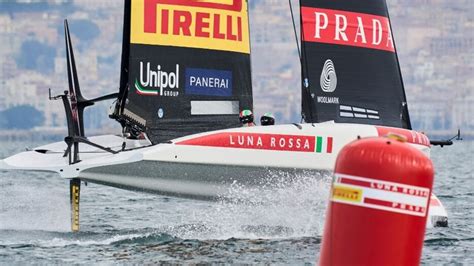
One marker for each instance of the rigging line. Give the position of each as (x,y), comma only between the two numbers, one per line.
(294,29)
(304,69)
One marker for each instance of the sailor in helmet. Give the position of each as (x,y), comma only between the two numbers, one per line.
(267,119)
(246,118)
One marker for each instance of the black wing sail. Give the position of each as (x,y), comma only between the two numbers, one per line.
(350,69)
(188,66)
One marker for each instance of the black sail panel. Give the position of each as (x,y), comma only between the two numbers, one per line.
(189,66)
(350,70)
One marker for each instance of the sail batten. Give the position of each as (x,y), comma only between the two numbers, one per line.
(188,66)
(350,66)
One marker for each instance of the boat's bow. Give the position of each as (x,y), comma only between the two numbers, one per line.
(51,157)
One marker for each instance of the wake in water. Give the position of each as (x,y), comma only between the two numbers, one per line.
(30,204)
(137,227)
(284,205)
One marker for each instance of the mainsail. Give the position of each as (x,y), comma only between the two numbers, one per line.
(350,69)
(185,66)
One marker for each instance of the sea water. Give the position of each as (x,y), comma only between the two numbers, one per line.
(278,225)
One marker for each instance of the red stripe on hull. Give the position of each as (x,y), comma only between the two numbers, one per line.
(329,146)
(276,142)
(410,135)
(434,202)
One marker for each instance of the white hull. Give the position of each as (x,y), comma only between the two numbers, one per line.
(206,165)
(224,156)
(187,170)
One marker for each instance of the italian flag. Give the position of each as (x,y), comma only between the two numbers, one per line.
(323,144)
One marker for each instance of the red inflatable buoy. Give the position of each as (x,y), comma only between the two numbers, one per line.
(378,205)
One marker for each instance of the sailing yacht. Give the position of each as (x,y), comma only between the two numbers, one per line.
(185,76)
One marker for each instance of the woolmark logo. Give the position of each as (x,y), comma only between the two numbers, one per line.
(157,81)
(328,78)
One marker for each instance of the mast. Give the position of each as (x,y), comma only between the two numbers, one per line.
(123,89)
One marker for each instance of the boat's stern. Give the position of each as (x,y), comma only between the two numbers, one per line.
(437,215)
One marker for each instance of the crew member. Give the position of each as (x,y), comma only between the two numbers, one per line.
(267,119)
(246,118)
